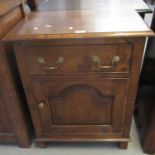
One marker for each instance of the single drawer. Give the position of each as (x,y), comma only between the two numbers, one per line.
(78,58)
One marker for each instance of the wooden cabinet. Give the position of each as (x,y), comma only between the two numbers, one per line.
(14,127)
(80,80)
(79,99)
(145,117)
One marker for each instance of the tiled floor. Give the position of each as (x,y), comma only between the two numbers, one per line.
(78,149)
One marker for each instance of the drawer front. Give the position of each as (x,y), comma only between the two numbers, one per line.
(78,58)
(79,106)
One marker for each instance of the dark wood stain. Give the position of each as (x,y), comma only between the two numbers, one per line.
(13,121)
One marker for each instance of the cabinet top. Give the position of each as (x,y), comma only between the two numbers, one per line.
(80,24)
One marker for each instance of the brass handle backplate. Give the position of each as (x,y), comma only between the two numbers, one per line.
(59,62)
(96,60)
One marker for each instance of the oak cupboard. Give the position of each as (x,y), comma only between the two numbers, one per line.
(13,122)
(80,74)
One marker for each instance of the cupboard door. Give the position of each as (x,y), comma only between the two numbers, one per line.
(78,106)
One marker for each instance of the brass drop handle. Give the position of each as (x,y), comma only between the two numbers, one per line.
(96,60)
(59,62)
(41,105)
